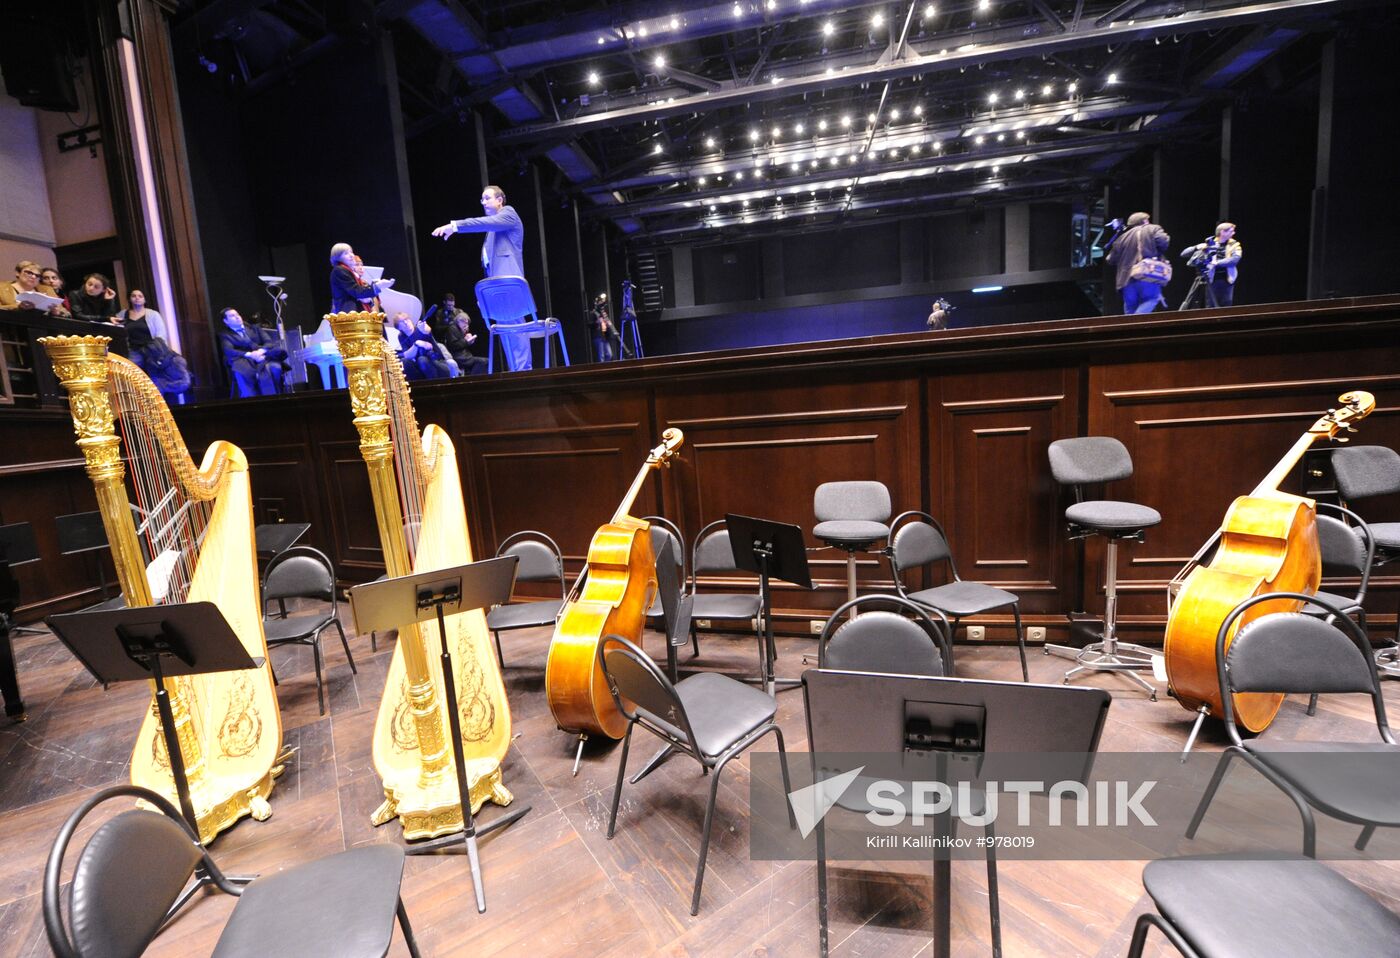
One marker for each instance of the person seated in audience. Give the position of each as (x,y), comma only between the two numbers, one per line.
(254,355)
(53,279)
(96,301)
(349,291)
(28,279)
(419,351)
(452,328)
(149,349)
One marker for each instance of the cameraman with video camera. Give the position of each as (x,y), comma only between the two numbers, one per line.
(1218,257)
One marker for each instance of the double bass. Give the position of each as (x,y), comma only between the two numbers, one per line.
(1266,543)
(617,589)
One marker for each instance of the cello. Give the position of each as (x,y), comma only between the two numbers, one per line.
(1266,543)
(617,589)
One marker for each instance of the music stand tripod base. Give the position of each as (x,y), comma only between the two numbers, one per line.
(390,603)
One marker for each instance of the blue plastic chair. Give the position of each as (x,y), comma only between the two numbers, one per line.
(505,302)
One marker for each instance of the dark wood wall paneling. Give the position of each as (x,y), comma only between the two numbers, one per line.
(956,424)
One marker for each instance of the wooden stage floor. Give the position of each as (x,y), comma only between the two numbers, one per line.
(555,885)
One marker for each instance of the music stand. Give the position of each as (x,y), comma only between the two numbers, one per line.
(391,603)
(80,533)
(153,643)
(17,547)
(773,550)
(863,712)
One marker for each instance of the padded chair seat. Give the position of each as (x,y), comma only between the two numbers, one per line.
(523,614)
(722,711)
(1343,602)
(850,532)
(1112,516)
(293,626)
(1348,780)
(337,907)
(725,605)
(1275,908)
(963,598)
(1387,535)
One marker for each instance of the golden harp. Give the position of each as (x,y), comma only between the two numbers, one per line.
(194,543)
(422,526)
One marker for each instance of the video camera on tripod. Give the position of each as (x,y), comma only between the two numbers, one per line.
(1203,256)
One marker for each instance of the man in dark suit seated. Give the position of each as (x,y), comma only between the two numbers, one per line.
(419,351)
(452,328)
(254,355)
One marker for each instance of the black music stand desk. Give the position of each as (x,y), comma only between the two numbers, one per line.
(865,712)
(17,547)
(775,550)
(155,643)
(391,603)
(79,534)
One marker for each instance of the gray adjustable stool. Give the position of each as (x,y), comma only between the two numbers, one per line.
(852,517)
(1087,461)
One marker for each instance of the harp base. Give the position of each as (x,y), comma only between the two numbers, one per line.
(215,815)
(432,810)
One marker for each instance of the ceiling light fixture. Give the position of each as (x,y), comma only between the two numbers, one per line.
(710,142)
(659,62)
(592,77)
(877,21)
(828,28)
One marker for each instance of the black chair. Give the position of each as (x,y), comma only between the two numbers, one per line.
(1291,652)
(1225,906)
(302,572)
(540,560)
(1366,472)
(1347,550)
(886,641)
(132,870)
(1091,461)
(918,540)
(712,555)
(852,517)
(663,530)
(708,716)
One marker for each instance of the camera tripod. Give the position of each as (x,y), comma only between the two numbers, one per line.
(1200,285)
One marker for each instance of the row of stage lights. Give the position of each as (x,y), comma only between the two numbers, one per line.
(847,122)
(749,208)
(828,30)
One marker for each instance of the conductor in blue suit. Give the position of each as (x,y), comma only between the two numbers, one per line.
(502,253)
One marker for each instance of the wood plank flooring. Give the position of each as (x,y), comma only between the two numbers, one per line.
(555,885)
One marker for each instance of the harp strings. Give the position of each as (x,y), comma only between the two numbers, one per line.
(170,524)
(403,429)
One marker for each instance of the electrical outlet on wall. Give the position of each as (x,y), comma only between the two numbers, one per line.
(976,633)
(1035,633)
(817,625)
(702,623)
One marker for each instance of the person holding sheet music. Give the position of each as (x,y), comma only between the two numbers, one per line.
(27,280)
(349,291)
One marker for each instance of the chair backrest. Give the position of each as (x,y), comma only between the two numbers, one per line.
(1292,652)
(1366,471)
(1088,460)
(127,876)
(505,299)
(300,572)
(540,559)
(712,552)
(668,587)
(865,500)
(663,530)
(642,692)
(884,641)
(1346,549)
(918,542)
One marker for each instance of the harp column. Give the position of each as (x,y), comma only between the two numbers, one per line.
(361,339)
(80,363)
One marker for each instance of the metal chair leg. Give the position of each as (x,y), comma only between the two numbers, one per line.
(993,897)
(500,656)
(1209,796)
(345,644)
(320,682)
(621,775)
(1021,640)
(408,932)
(705,838)
(1365,837)
(821,890)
